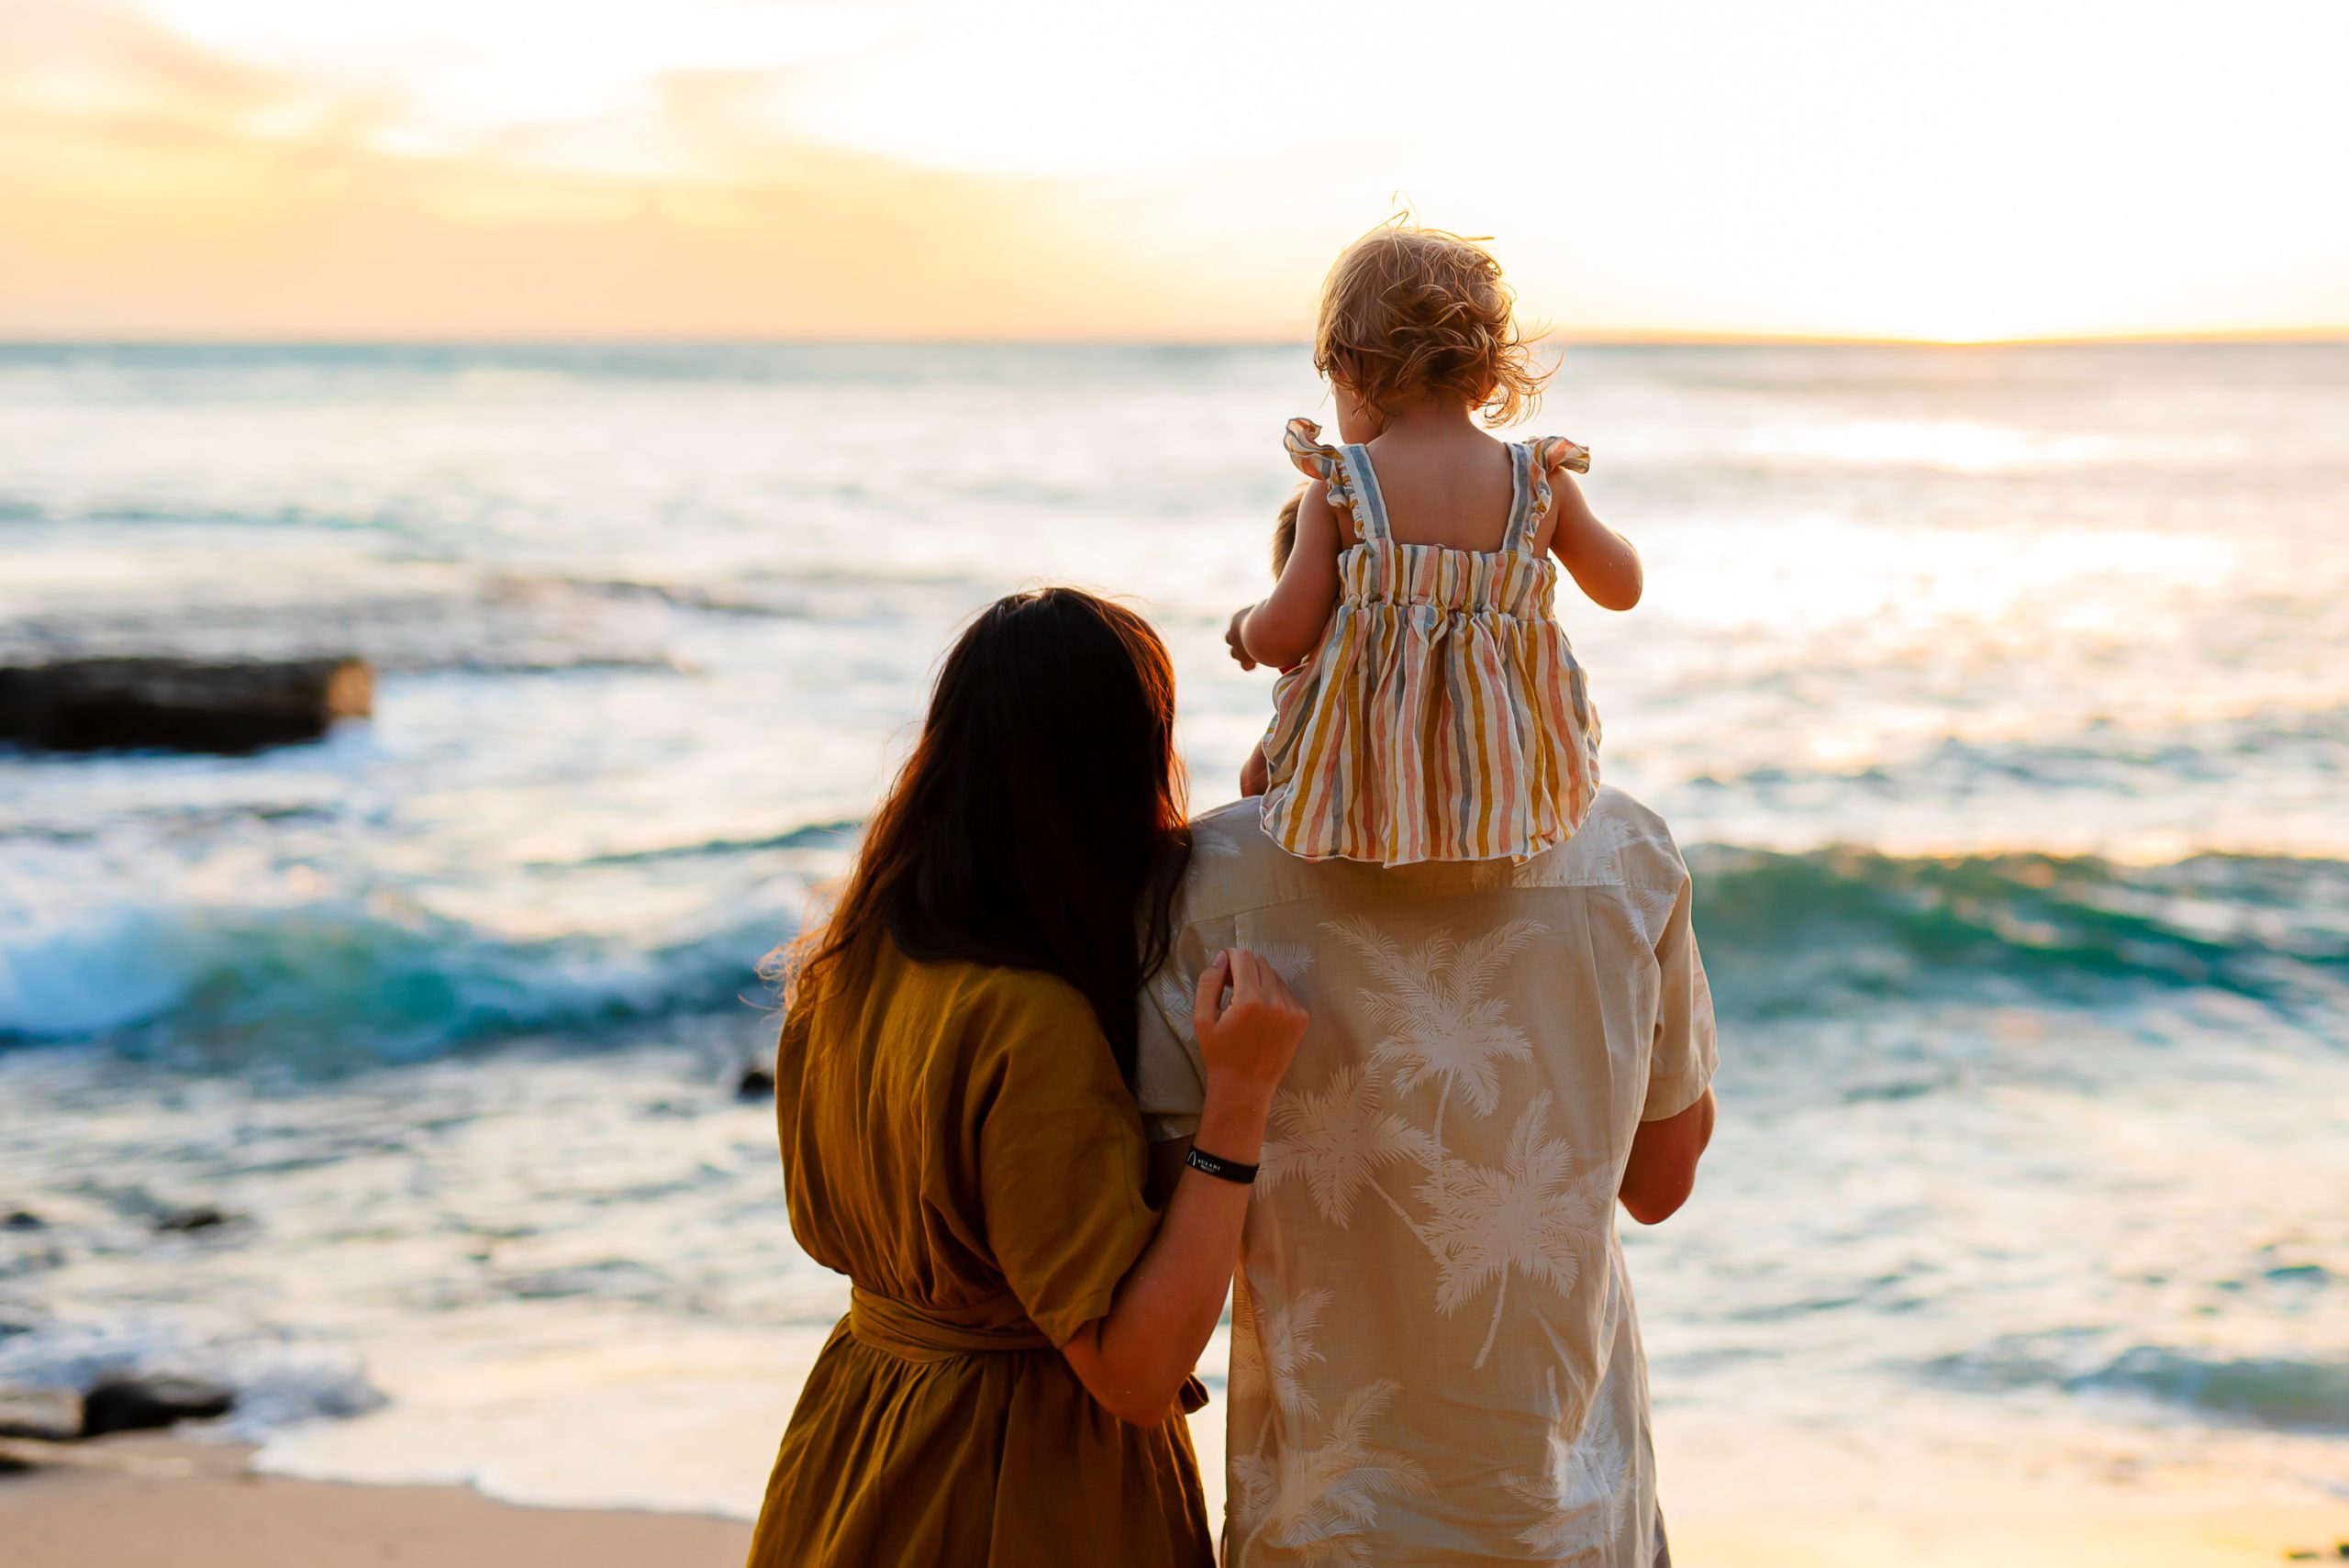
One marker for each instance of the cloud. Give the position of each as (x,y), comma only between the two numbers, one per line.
(148,186)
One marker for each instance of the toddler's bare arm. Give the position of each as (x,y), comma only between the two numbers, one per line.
(1601,561)
(1287,625)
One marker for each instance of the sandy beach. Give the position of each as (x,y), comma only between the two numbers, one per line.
(2154,1536)
(157,1500)
(151,1499)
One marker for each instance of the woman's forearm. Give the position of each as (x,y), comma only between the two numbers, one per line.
(1134,1360)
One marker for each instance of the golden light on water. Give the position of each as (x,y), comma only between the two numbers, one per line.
(811,167)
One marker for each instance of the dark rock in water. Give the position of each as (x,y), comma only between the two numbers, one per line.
(143,1403)
(43,1415)
(194,1216)
(180,704)
(757,1081)
(22,1219)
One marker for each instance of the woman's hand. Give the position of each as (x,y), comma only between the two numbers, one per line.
(1237,643)
(1245,1042)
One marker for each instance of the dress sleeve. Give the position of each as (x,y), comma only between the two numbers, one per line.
(1060,1168)
(1171,1081)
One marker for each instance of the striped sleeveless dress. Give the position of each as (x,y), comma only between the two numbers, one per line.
(1444,716)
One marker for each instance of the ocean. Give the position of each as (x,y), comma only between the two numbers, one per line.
(2000,697)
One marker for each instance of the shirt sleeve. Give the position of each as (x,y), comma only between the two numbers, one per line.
(1171,1081)
(1685,1054)
(1061,1169)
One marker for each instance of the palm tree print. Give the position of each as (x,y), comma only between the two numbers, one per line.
(1580,1492)
(1294,960)
(1338,1139)
(1215,847)
(1441,1025)
(1269,1350)
(1320,1502)
(1178,993)
(1531,1215)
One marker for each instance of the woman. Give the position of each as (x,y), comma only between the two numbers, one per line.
(960,1140)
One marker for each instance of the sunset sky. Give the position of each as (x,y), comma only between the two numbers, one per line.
(1028,168)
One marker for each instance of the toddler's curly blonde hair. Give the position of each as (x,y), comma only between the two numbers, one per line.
(1409,312)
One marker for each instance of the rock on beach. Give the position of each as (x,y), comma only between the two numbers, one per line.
(147,1403)
(179,705)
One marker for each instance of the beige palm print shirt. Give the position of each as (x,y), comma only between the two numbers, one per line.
(1434,1356)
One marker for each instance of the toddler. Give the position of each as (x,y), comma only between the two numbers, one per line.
(1431,707)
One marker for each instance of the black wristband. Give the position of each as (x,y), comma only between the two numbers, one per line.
(1220,1169)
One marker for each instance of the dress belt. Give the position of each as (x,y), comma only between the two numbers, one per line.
(930,1334)
(924,1334)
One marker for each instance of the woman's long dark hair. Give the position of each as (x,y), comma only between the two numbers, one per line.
(1040,822)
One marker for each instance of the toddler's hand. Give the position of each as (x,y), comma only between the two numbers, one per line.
(1231,639)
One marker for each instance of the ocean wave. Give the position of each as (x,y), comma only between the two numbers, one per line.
(2277,1393)
(401,617)
(814,835)
(369,979)
(1795,932)
(330,985)
(281,1375)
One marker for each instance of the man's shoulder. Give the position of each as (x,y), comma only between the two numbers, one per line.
(1637,835)
(1234,864)
(1228,832)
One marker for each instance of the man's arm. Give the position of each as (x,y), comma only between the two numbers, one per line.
(1662,1170)
(1676,1115)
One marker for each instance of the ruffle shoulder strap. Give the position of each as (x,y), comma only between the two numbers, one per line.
(1551,454)
(1317,460)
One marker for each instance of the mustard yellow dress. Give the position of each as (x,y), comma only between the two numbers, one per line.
(958,1142)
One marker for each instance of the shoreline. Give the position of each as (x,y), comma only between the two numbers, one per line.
(148,1499)
(133,1501)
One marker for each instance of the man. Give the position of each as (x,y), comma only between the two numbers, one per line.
(1435,1358)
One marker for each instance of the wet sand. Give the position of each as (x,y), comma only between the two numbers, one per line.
(197,1505)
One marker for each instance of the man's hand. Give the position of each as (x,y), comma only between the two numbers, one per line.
(1232,640)
(1662,1170)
